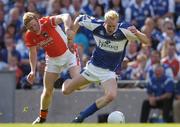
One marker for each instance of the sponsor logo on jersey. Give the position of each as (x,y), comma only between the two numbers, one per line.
(107,44)
(46,42)
(86,73)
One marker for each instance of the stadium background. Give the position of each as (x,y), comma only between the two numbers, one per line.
(160,21)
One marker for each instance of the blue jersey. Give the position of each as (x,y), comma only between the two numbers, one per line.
(160,86)
(177,8)
(110,49)
(168,71)
(161,7)
(139,13)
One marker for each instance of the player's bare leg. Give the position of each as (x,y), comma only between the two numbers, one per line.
(110,90)
(110,93)
(71,85)
(46,96)
(74,71)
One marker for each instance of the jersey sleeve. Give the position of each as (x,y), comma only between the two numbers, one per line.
(124,28)
(29,40)
(129,35)
(52,21)
(124,25)
(89,22)
(48,21)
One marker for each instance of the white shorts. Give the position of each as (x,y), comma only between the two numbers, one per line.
(57,64)
(97,74)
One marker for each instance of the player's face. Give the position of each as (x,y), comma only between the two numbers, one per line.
(159,71)
(33,26)
(110,25)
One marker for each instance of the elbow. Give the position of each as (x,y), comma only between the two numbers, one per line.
(146,41)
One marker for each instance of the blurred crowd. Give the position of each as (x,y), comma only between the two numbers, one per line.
(158,19)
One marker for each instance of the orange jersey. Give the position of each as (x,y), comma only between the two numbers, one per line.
(173,64)
(51,38)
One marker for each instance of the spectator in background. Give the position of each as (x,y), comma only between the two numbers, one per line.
(177,10)
(176,104)
(12,57)
(160,90)
(89,7)
(31,7)
(168,28)
(124,73)
(53,7)
(65,6)
(2,6)
(138,68)
(132,51)
(146,50)
(20,4)
(24,52)
(155,58)
(117,6)
(137,13)
(2,28)
(163,8)
(172,60)
(99,11)
(157,33)
(13,65)
(14,18)
(11,30)
(75,8)
(10,49)
(148,29)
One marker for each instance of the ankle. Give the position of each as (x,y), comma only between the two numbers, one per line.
(43,114)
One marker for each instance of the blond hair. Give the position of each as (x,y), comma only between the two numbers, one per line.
(141,57)
(28,16)
(111,14)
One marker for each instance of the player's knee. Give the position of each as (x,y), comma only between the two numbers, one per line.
(48,93)
(66,91)
(111,96)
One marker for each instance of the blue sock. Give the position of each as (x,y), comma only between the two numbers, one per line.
(89,111)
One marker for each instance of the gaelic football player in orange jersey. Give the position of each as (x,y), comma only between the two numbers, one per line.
(46,33)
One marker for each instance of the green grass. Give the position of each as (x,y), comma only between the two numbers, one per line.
(90,125)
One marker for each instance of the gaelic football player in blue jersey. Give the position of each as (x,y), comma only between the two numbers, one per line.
(111,39)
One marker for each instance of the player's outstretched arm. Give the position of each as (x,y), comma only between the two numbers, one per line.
(141,36)
(33,61)
(65,19)
(76,25)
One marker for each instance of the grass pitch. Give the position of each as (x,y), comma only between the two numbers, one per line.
(90,125)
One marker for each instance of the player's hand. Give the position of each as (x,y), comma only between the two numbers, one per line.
(152,101)
(133,29)
(71,47)
(31,77)
(70,35)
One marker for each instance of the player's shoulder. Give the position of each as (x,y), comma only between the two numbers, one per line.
(28,33)
(91,19)
(124,25)
(44,20)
